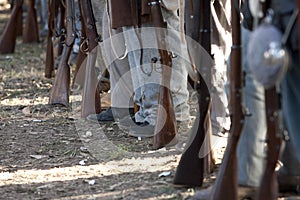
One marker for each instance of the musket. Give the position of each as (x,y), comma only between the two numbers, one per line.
(90,96)
(268,188)
(31,28)
(9,34)
(192,168)
(60,90)
(165,130)
(226,184)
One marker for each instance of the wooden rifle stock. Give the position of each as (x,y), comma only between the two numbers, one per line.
(31,29)
(165,130)
(269,186)
(192,168)
(90,96)
(227,183)
(9,34)
(59,93)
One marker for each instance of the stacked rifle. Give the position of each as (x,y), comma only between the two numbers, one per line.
(61,25)
(193,166)
(226,186)
(14,27)
(60,91)
(190,171)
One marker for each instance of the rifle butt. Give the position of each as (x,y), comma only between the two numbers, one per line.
(192,168)
(189,175)
(227,183)
(165,127)
(189,172)
(197,160)
(9,34)
(91,102)
(31,29)
(59,93)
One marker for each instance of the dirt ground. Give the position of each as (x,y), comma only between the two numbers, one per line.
(49,152)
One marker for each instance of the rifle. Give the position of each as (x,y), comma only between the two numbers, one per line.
(91,97)
(60,90)
(269,186)
(165,131)
(9,34)
(31,29)
(191,168)
(227,183)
